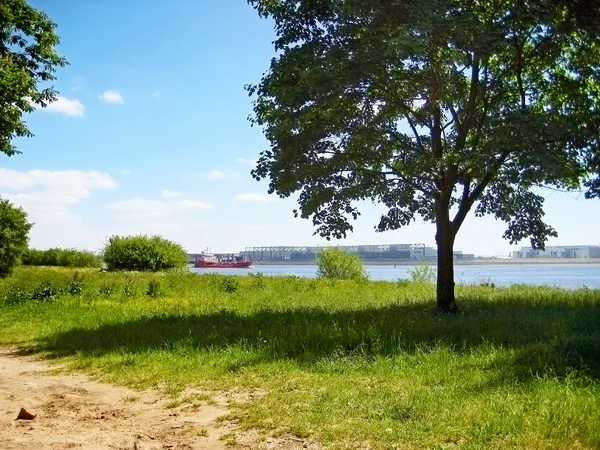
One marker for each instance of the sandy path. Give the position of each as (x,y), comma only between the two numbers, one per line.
(75,412)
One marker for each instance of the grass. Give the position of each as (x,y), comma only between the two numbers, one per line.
(349,364)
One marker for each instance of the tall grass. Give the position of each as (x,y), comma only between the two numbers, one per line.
(61,257)
(352,364)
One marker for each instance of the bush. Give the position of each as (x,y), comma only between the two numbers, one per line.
(423,273)
(336,264)
(14,236)
(63,257)
(143,253)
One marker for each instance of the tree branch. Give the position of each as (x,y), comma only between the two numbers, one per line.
(467,200)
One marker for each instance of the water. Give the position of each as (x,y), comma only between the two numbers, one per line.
(570,276)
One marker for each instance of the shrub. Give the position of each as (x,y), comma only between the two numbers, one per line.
(63,257)
(143,253)
(14,236)
(423,273)
(336,264)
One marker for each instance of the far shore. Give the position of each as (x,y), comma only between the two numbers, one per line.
(458,262)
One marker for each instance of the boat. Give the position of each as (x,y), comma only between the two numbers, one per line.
(209,260)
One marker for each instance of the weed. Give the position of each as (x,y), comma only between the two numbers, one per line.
(153,289)
(230,285)
(129,287)
(45,292)
(75,286)
(230,439)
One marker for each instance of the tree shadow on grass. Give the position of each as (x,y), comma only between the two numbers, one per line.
(546,339)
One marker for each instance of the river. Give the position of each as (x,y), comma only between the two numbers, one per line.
(569,276)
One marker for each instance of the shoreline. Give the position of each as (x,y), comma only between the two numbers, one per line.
(457,262)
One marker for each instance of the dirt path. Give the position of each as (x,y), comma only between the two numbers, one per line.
(76,412)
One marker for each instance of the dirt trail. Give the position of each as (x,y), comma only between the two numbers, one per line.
(76,412)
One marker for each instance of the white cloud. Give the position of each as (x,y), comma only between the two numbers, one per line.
(218,175)
(113,97)
(170,194)
(126,172)
(246,162)
(63,105)
(140,207)
(253,197)
(49,195)
(157,95)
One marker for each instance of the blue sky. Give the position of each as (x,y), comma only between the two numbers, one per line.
(150,135)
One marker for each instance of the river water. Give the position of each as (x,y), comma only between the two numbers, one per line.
(570,276)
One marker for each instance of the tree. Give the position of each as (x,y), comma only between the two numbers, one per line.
(27,58)
(14,236)
(433,109)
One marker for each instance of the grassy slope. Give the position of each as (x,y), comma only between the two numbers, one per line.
(355,365)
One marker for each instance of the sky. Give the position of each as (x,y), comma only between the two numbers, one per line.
(150,135)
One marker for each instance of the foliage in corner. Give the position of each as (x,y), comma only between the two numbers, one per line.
(14,236)
(143,253)
(27,58)
(335,264)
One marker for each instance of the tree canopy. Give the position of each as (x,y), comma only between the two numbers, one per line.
(27,59)
(432,109)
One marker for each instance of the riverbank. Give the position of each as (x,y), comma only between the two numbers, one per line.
(458,262)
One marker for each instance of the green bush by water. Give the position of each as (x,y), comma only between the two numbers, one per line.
(335,264)
(61,257)
(143,253)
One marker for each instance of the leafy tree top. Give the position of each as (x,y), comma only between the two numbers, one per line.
(431,108)
(27,59)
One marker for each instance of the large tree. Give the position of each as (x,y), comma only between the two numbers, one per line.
(27,61)
(432,108)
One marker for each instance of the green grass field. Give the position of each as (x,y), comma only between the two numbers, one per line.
(348,364)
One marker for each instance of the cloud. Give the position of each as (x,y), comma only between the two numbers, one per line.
(218,175)
(140,207)
(170,194)
(157,95)
(63,105)
(246,161)
(113,97)
(126,172)
(48,194)
(252,197)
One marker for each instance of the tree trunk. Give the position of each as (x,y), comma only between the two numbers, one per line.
(446,302)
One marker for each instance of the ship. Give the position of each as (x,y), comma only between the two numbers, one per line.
(209,260)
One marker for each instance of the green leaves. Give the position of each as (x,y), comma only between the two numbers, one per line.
(14,236)
(27,60)
(143,253)
(428,107)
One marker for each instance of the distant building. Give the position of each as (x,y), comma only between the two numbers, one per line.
(567,251)
(391,252)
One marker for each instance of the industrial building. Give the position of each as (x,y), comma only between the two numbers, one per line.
(386,252)
(567,251)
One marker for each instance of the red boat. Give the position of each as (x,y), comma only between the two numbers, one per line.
(209,260)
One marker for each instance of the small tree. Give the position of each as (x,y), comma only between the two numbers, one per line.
(27,57)
(433,108)
(336,264)
(14,236)
(143,253)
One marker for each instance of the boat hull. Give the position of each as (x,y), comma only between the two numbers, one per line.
(223,265)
